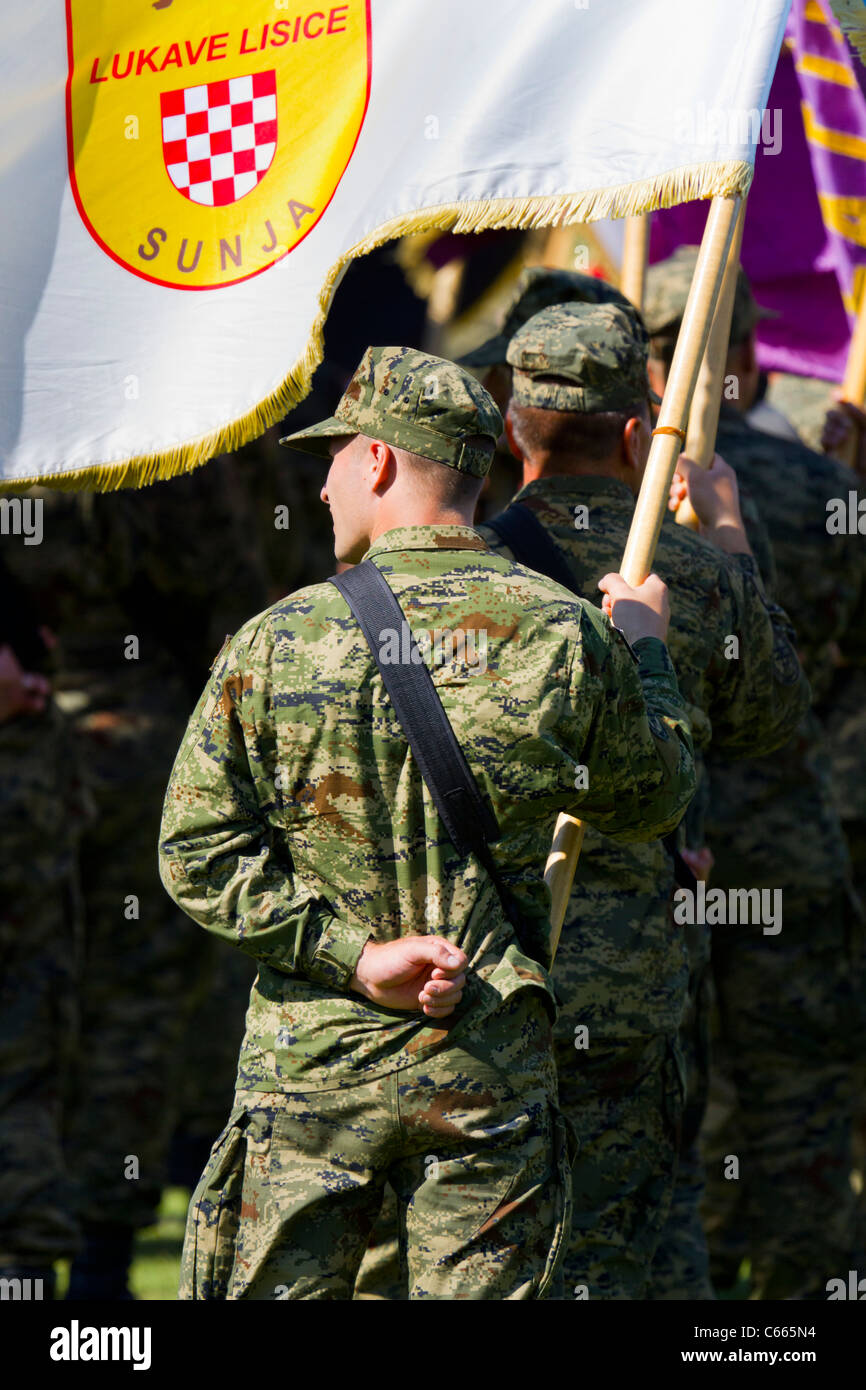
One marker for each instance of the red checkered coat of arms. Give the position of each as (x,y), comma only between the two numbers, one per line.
(219,138)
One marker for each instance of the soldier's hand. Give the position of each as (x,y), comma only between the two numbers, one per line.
(841,419)
(715,499)
(415,973)
(641,612)
(21,692)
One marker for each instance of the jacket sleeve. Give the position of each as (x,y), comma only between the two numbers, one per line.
(757,691)
(627,727)
(224,856)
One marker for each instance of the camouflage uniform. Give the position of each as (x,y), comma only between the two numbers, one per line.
(791,1006)
(623,964)
(167,567)
(297,825)
(42,813)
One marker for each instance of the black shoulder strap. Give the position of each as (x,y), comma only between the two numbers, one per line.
(466,814)
(531,543)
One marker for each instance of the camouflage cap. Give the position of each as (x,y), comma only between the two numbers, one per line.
(580,357)
(667,289)
(538,288)
(416,402)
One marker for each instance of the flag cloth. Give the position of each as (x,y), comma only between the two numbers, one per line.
(804,247)
(183,184)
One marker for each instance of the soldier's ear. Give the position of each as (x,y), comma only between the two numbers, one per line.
(635,442)
(510,436)
(381,466)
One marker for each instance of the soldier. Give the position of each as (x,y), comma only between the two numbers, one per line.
(398,1028)
(42,812)
(138,587)
(791,1003)
(579,422)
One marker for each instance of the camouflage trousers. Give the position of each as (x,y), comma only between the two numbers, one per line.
(145,964)
(40,924)
(625,1100)
(787,1084)
(681,1265)
(469,1139)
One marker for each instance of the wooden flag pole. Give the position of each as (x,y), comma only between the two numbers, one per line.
(653,498)
(707,400)
(854,382)
(635,253)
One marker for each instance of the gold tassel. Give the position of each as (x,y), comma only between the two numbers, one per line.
(678,186)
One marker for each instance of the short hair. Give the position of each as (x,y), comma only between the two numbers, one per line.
(591,437)
(440,483)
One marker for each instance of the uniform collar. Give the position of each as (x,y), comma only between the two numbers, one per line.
(566,486)
(427,538)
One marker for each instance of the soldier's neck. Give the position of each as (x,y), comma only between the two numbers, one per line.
(571,465)
(420,514)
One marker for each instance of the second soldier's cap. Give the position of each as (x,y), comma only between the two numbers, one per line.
(667,290)
(416,402)
(580,357)
(538,288)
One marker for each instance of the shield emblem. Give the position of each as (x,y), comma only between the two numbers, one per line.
(218,139)
(200,152)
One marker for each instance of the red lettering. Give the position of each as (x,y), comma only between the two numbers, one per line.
(193,57)
(172,57)
(317,14)
(243,48)
(297,27)
(145,60)
(264,41)
(93,76)
(211,48)
(278,34)
(342,11)
(273,235)
(115,71)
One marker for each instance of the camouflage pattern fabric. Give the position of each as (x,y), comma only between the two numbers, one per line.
(579,357)
(368,854)
(681,1264)
(792,1012)
(804,401)
(288,747)
(168,567)
(627,1100)
(538,288)
(470,1141)
(42,812)
(416,402)
(667,289)
(623,965)
(796,1147)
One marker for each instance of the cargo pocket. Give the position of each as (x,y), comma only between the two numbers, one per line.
(214,1214)
(565,1150)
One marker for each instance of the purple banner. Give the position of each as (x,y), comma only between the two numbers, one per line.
(804,246)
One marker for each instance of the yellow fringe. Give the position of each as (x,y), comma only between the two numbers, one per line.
(851,15)
(725,179)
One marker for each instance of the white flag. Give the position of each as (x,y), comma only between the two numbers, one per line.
(182,184)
